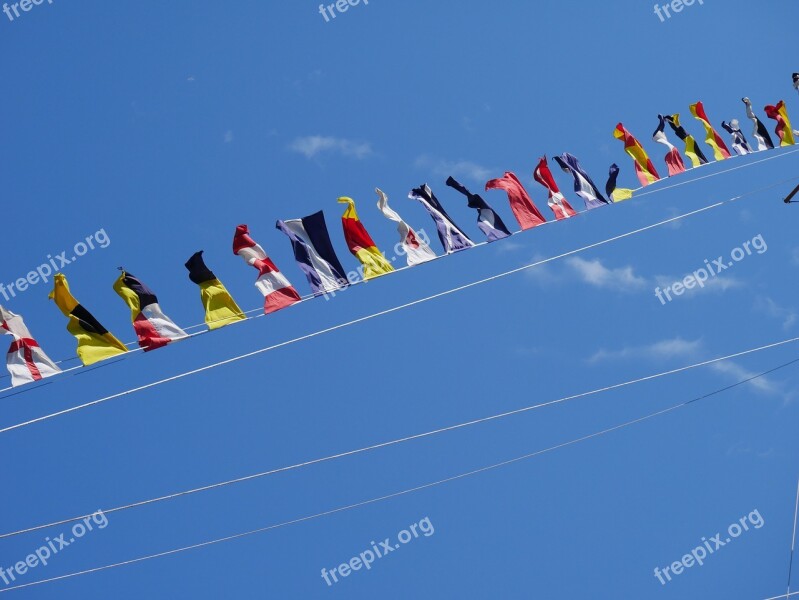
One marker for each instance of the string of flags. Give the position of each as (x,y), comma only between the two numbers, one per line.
(317,260)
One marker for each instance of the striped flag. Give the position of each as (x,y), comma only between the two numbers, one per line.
(760,132)
(416,249)
(489,222)
(783,130)
(673,159)
(278,292)
(692,149)
(25,360)
(361,244)
(526,213)
(314,252)
(615,193)
(556,201)
(220,307)
(583,184)
(452,237)
(712,138)
(739,143)
(153,328)
(643,166)
(95,342)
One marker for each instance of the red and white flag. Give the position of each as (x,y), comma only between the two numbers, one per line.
(278,292)
(415,248)
(26,361)
(557,202)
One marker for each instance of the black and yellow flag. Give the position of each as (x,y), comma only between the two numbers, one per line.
(692,150)
(220,308)
(95,342)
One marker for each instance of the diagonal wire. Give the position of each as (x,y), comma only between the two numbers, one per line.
(403,492)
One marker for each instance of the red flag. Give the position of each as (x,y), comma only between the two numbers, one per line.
(523,208)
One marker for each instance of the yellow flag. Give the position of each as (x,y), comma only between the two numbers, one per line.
(220,308)
(95,342)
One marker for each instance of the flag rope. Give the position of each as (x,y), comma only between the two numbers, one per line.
(406,438)
(793,541)
(382,312)
(405,492)
(781,596)
(257,312)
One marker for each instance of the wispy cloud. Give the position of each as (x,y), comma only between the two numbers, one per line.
(456,168)
(623,279)
(592,272)
(228,136)
(744,448)
(795,256)
(309,80)
(313,145)
(661,350)
(736,372)
(595,273)
(679,347)
(767,306)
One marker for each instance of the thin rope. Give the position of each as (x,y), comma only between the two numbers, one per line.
(709,175)
(401,440)
(793,541)
(348,323)
(380,313)
(307,297)
(403,492)
(781,596)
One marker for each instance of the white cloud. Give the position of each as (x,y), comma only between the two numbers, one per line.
(693,350)
(310,146)
(662,350)
(736,372)
(457,168)
(766,305)
(595,273)
(228,136)
(624,279)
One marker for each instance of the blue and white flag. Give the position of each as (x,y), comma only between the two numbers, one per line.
(314,252)
(489,222)
(583,185)
(451,236)
(739,143)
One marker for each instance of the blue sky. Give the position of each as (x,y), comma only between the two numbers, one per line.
(168,125)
